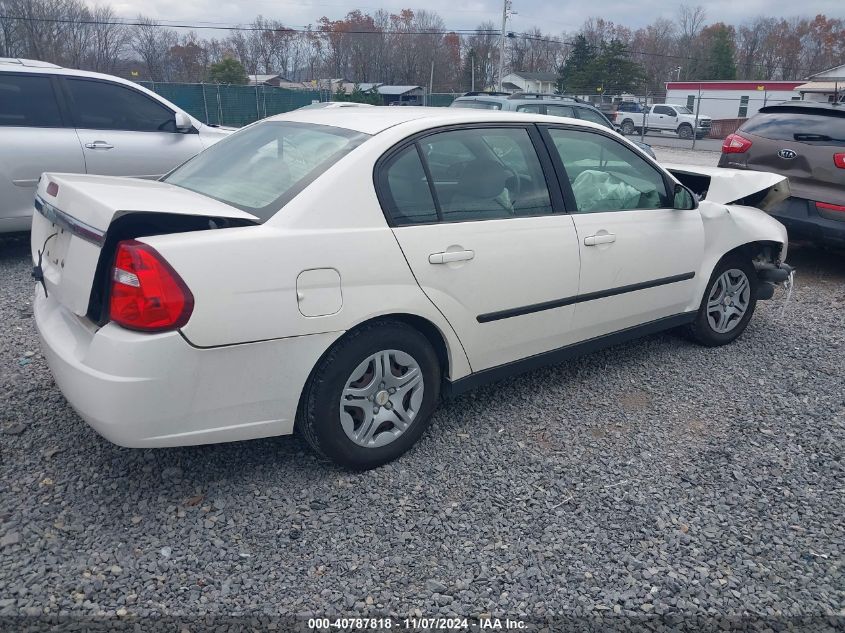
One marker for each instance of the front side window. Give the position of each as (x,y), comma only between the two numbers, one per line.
(28,101)
(262,167)
(606,175)
(531,108)
(664,110)
(100,105)
(476,174)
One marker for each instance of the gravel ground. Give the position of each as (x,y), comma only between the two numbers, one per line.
(657,485)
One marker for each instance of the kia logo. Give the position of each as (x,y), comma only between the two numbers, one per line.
(788,154)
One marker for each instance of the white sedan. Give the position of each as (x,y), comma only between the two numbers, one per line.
(337,270)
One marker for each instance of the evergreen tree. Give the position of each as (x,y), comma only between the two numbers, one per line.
(570,74)
(721,54)
(228,71)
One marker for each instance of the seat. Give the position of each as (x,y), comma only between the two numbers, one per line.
(480,193)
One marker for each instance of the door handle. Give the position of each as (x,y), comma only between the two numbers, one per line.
(603,238)
(450,256)
(99,145)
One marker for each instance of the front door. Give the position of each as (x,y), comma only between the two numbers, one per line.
(474,216)
(639,256)
(125,132)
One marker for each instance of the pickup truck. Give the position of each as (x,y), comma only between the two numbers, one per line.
(669,117)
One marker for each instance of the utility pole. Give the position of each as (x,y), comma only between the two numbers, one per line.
(506,5)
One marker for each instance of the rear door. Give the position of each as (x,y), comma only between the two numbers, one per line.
(638,254)
(485,237)
(35,136)
(125,132)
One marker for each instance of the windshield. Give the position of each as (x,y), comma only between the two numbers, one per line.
(262,167)
(683,109)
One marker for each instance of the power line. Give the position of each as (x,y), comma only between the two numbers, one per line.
(311,31)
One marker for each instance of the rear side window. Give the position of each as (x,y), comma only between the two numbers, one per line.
(805,127)
(476,174)
(408,188)
(28,101)
(531,108)
(560,110)
(99,105)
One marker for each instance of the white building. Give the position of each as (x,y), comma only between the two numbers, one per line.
(730,99)
(529,82)
(826,86)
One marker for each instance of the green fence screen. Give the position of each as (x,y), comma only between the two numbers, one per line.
(236,106)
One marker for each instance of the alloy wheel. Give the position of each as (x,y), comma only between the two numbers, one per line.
(381,398)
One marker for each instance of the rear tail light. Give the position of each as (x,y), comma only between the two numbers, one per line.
(735,144)
(830,207)
(839,160)
(146,293)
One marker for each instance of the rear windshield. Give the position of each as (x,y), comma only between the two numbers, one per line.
(261,168)
(805,127)
(478,105)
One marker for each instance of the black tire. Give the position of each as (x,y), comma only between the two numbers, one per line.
(319,418)
(701,329)
(627,127)
(685,131)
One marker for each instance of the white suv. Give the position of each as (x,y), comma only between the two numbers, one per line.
(59,119)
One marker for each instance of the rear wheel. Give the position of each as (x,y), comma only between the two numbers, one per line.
(685,131)
(728,303)
(627,127)
(372,396)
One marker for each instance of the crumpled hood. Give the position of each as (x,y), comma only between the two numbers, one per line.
(732,186)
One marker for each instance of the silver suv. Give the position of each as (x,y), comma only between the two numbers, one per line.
(63,120)
(540,103)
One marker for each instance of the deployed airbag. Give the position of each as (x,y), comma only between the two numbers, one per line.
(604,191)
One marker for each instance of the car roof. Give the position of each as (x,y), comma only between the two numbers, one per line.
(375,120)
(800,106)
(26,63)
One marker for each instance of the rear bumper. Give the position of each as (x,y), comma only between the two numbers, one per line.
(142,390)
(802,219)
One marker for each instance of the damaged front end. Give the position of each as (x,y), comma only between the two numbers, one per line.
(771,271)
(762,190)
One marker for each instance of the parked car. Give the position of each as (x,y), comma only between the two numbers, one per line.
(540,103)
(664,118)
(805,141)
(60,119)
(337,270)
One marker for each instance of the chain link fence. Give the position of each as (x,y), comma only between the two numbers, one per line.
(231,105)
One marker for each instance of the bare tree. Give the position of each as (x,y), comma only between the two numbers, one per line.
(151,42)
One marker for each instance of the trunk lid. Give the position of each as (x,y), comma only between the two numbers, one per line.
(73,228)
(733,186)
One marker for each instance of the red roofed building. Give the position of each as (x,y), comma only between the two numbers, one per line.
(730,99)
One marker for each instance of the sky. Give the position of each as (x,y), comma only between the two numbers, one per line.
(552,16)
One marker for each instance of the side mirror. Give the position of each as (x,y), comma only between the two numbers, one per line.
(683,199)
(183,122)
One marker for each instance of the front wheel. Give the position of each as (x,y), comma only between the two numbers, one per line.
(371,396)
(728,303)
(685,131)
